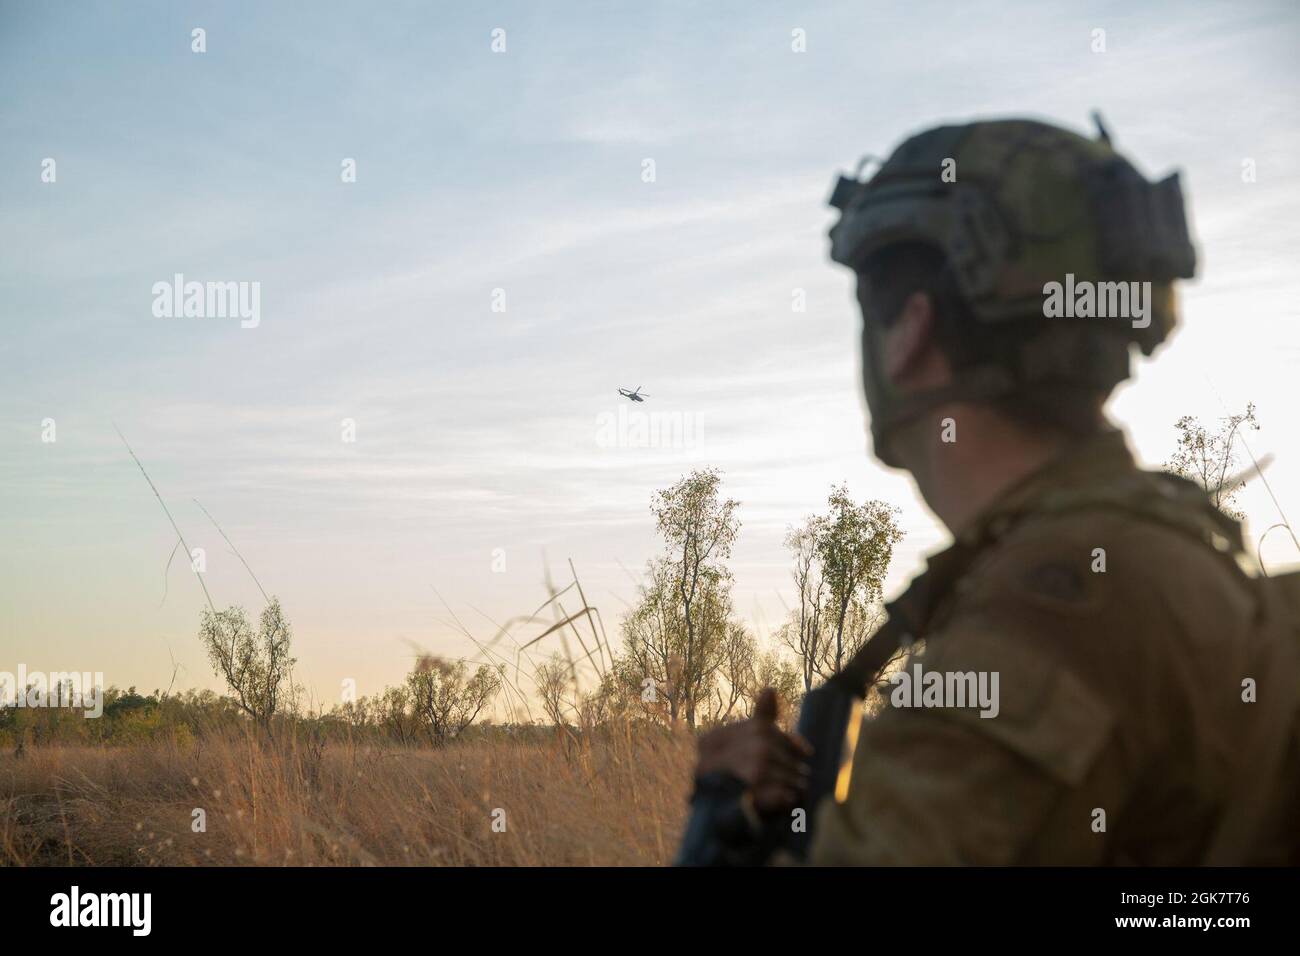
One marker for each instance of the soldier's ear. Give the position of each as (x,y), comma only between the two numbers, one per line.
(911,352)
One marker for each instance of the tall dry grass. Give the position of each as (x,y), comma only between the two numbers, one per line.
(619,799)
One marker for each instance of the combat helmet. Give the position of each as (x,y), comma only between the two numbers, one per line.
(1015,206)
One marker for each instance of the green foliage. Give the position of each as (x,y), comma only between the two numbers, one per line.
(686,656)
(128,718)
(840,562)
(773,669)
(691,585)
(256,668)
(855,547)
(445,698)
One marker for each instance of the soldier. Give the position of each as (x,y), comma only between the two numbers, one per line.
(1003,271)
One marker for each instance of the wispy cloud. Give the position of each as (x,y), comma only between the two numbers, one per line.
(478,429)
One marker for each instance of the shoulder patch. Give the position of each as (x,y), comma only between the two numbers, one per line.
(1045,564)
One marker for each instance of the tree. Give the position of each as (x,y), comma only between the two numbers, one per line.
(738,671)
(699,529)
(865,616)
(552,679)
(394,709)
(1209,458)
(445,699)
(256,668)
(840,562)
(675,669)
(805,634)
(602,705)
(650,668)
(855,547)
(774,670)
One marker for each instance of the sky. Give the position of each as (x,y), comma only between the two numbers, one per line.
(502,264)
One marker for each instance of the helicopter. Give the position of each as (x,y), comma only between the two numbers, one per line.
(635,394)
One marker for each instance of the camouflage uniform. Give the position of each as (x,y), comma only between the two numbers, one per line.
(1110,602)
(1120,690)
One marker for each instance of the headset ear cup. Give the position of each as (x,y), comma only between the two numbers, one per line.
(1169,223)
(1140,227)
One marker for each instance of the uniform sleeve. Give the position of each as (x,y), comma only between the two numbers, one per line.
(942,785)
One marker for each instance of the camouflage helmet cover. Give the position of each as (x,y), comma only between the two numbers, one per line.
(1014,205)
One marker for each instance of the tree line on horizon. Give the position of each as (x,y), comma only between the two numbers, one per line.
(685,658)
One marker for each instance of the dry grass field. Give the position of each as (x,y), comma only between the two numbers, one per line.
(617,800)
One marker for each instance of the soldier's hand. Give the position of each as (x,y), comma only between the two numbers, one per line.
(772,763)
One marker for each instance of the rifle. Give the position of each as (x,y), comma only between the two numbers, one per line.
(723,830)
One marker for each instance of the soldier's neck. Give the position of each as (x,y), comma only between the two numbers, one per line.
(964,465)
